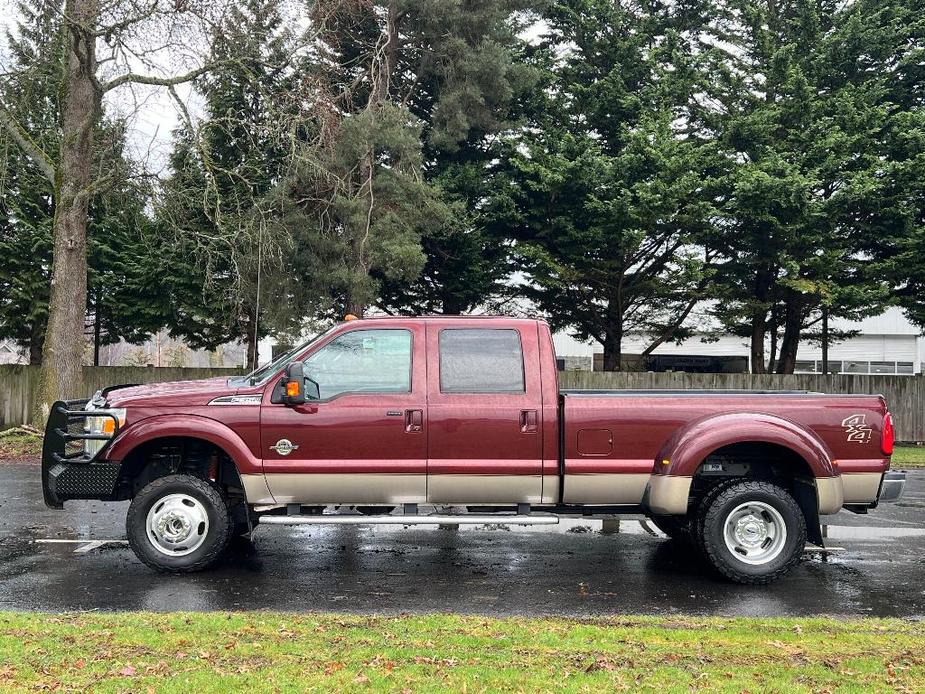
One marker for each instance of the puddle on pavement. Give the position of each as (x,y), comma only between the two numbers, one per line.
(866,532)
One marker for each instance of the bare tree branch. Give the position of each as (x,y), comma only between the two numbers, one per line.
(29,146)
(134,78)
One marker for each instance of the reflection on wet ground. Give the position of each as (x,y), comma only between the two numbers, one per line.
(577,568)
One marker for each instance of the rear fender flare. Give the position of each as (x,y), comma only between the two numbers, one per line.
(185,426)
(690,446)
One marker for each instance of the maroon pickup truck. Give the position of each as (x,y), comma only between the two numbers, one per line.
(390,420)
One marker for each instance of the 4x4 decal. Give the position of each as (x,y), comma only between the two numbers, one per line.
(857,430)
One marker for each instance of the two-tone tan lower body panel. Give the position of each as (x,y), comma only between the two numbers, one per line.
(661,494)
(861,487)
(829,494)
(668,495)
(848,488)
(605,488)
(340,488)
(484,489)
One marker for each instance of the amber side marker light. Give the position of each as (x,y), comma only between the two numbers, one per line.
(292,389)
(349,317)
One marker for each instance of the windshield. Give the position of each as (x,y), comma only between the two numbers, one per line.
(264,372)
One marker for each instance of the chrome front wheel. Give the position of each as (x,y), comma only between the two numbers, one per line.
(178,524)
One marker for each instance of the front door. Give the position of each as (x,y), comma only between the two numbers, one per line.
(364,440)
(485,428)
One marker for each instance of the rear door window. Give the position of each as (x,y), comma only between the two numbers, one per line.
(479,360)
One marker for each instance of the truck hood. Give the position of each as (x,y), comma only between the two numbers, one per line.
(171,394)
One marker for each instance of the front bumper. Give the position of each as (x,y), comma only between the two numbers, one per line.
(68,472)
(891,487)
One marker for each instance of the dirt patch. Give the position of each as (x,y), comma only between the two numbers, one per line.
(20,445)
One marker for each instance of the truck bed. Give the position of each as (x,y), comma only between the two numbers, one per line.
(615,440)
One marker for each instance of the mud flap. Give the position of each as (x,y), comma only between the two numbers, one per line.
(804,492)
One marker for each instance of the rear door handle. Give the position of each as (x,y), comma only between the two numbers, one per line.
(528,421)
(414,421)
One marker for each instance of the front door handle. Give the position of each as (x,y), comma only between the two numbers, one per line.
(528,421)
(414,421)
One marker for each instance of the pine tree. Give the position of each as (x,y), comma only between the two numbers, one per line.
(802,131)
(213,215)
(609,190)
(465,78)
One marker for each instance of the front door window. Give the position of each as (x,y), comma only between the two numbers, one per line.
(363,361)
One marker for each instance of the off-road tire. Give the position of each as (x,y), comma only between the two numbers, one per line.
(220,530)
(710,524)
(699,509)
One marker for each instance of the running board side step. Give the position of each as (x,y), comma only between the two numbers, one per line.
(345,519)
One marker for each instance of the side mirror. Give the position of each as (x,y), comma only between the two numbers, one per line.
(294,384)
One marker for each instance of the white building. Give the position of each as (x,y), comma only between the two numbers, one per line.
(885,344)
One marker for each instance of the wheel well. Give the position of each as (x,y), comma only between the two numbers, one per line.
(168,456)
(762,461)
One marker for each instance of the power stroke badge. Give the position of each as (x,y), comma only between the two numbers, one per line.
(284,447)
(857,430)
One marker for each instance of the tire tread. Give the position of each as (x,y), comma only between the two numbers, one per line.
(721,495)
(215,496)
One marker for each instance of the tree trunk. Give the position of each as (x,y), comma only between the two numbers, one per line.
(451,305)
(759,330)
(772,354)
(793,324)
(613,353)
(355,306)
(613,338)
(62,358)
(762,290)
(35,346)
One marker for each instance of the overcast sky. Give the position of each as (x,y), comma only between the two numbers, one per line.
(152,115)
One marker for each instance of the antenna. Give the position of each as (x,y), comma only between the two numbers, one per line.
(257,298)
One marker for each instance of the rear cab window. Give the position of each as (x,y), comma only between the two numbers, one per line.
(481,360)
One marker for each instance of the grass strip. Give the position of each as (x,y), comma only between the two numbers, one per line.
(908,456)
(260,651)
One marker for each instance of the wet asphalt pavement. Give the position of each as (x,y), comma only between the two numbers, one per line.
(574,570)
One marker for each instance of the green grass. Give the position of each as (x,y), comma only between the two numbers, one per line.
(217,652)
(908,456)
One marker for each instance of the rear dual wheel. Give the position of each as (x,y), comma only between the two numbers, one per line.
(751,531)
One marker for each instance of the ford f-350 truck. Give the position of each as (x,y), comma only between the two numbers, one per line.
(388,420)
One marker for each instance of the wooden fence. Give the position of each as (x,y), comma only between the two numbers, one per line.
(18,384)
(904,394)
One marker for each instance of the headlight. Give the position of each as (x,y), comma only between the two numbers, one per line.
(101,425)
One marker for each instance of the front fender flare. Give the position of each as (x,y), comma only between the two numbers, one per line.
(686,450)
(186,426)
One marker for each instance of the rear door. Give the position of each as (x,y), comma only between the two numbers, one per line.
(484,413)
(364,441)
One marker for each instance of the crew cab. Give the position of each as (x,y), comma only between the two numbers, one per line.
(391,420)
